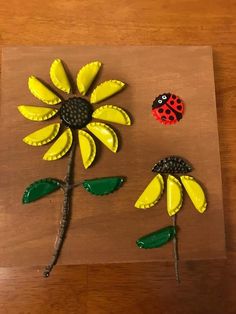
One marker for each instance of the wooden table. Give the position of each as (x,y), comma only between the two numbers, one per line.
(207,286)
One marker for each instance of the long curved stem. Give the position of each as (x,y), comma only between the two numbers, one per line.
(66,214)
(176,254)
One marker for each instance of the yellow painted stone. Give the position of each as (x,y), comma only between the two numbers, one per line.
(105,90)
(37,113)
(86,76)
(40,91)
(112,114)
(60,147)
(174,195)
(151,194)
(59,77)
(87,148)
(42,136)
(105,134)
(195,192)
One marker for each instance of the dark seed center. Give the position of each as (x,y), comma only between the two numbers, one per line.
(76,112)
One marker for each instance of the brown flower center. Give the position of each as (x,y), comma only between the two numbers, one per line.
(76,112)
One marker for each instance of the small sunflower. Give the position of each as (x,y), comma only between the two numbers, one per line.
(170,166)
(76,113)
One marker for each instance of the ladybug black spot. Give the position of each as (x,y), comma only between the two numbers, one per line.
(178,101)
(173,96)
(168,111)
(179,107)
(172,102)
(171,118)
(163,118)
(160,110)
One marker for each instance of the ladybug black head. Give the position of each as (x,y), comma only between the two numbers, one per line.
(161,100)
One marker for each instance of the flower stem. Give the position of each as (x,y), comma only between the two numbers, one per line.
(175,249)
(66,214)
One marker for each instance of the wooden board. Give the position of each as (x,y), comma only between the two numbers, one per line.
(104,229)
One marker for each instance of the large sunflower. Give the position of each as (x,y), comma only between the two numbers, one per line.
(76,113)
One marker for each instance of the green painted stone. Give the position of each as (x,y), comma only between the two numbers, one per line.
(39,189)
(157,238)
(103,186)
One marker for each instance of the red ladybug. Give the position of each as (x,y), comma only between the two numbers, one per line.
(168,108)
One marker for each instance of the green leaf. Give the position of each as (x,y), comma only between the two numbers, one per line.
(157,238)
(103,186)
(39,189)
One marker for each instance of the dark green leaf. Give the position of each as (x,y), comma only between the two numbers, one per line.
(39,189)
(103,186)
(157,238)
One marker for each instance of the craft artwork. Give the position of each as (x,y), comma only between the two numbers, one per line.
(167,108)
(170,167)
(76,113)
(76,125)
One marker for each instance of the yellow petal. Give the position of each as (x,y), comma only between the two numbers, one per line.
(86,76)
(40,91)
(105,90)
(174,195)
(151,194)
(105,134)
(59,77)
(87,148)
(42,136)
(60,147)
(112,114)
(195,192)
(37,113)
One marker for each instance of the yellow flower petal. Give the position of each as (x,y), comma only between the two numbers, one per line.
(37,113)
(151,194)
(40,91)
(174,195)
(60,147)
(105,134)
(86,76)
(195,192)
(105,90)
(42,136)
(59,77)
(112,114)
(87,148)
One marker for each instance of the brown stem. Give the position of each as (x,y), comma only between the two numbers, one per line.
(175,248)
(66,213)
(72,186)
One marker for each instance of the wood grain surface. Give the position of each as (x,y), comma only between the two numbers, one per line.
(104,229)
(207,286)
